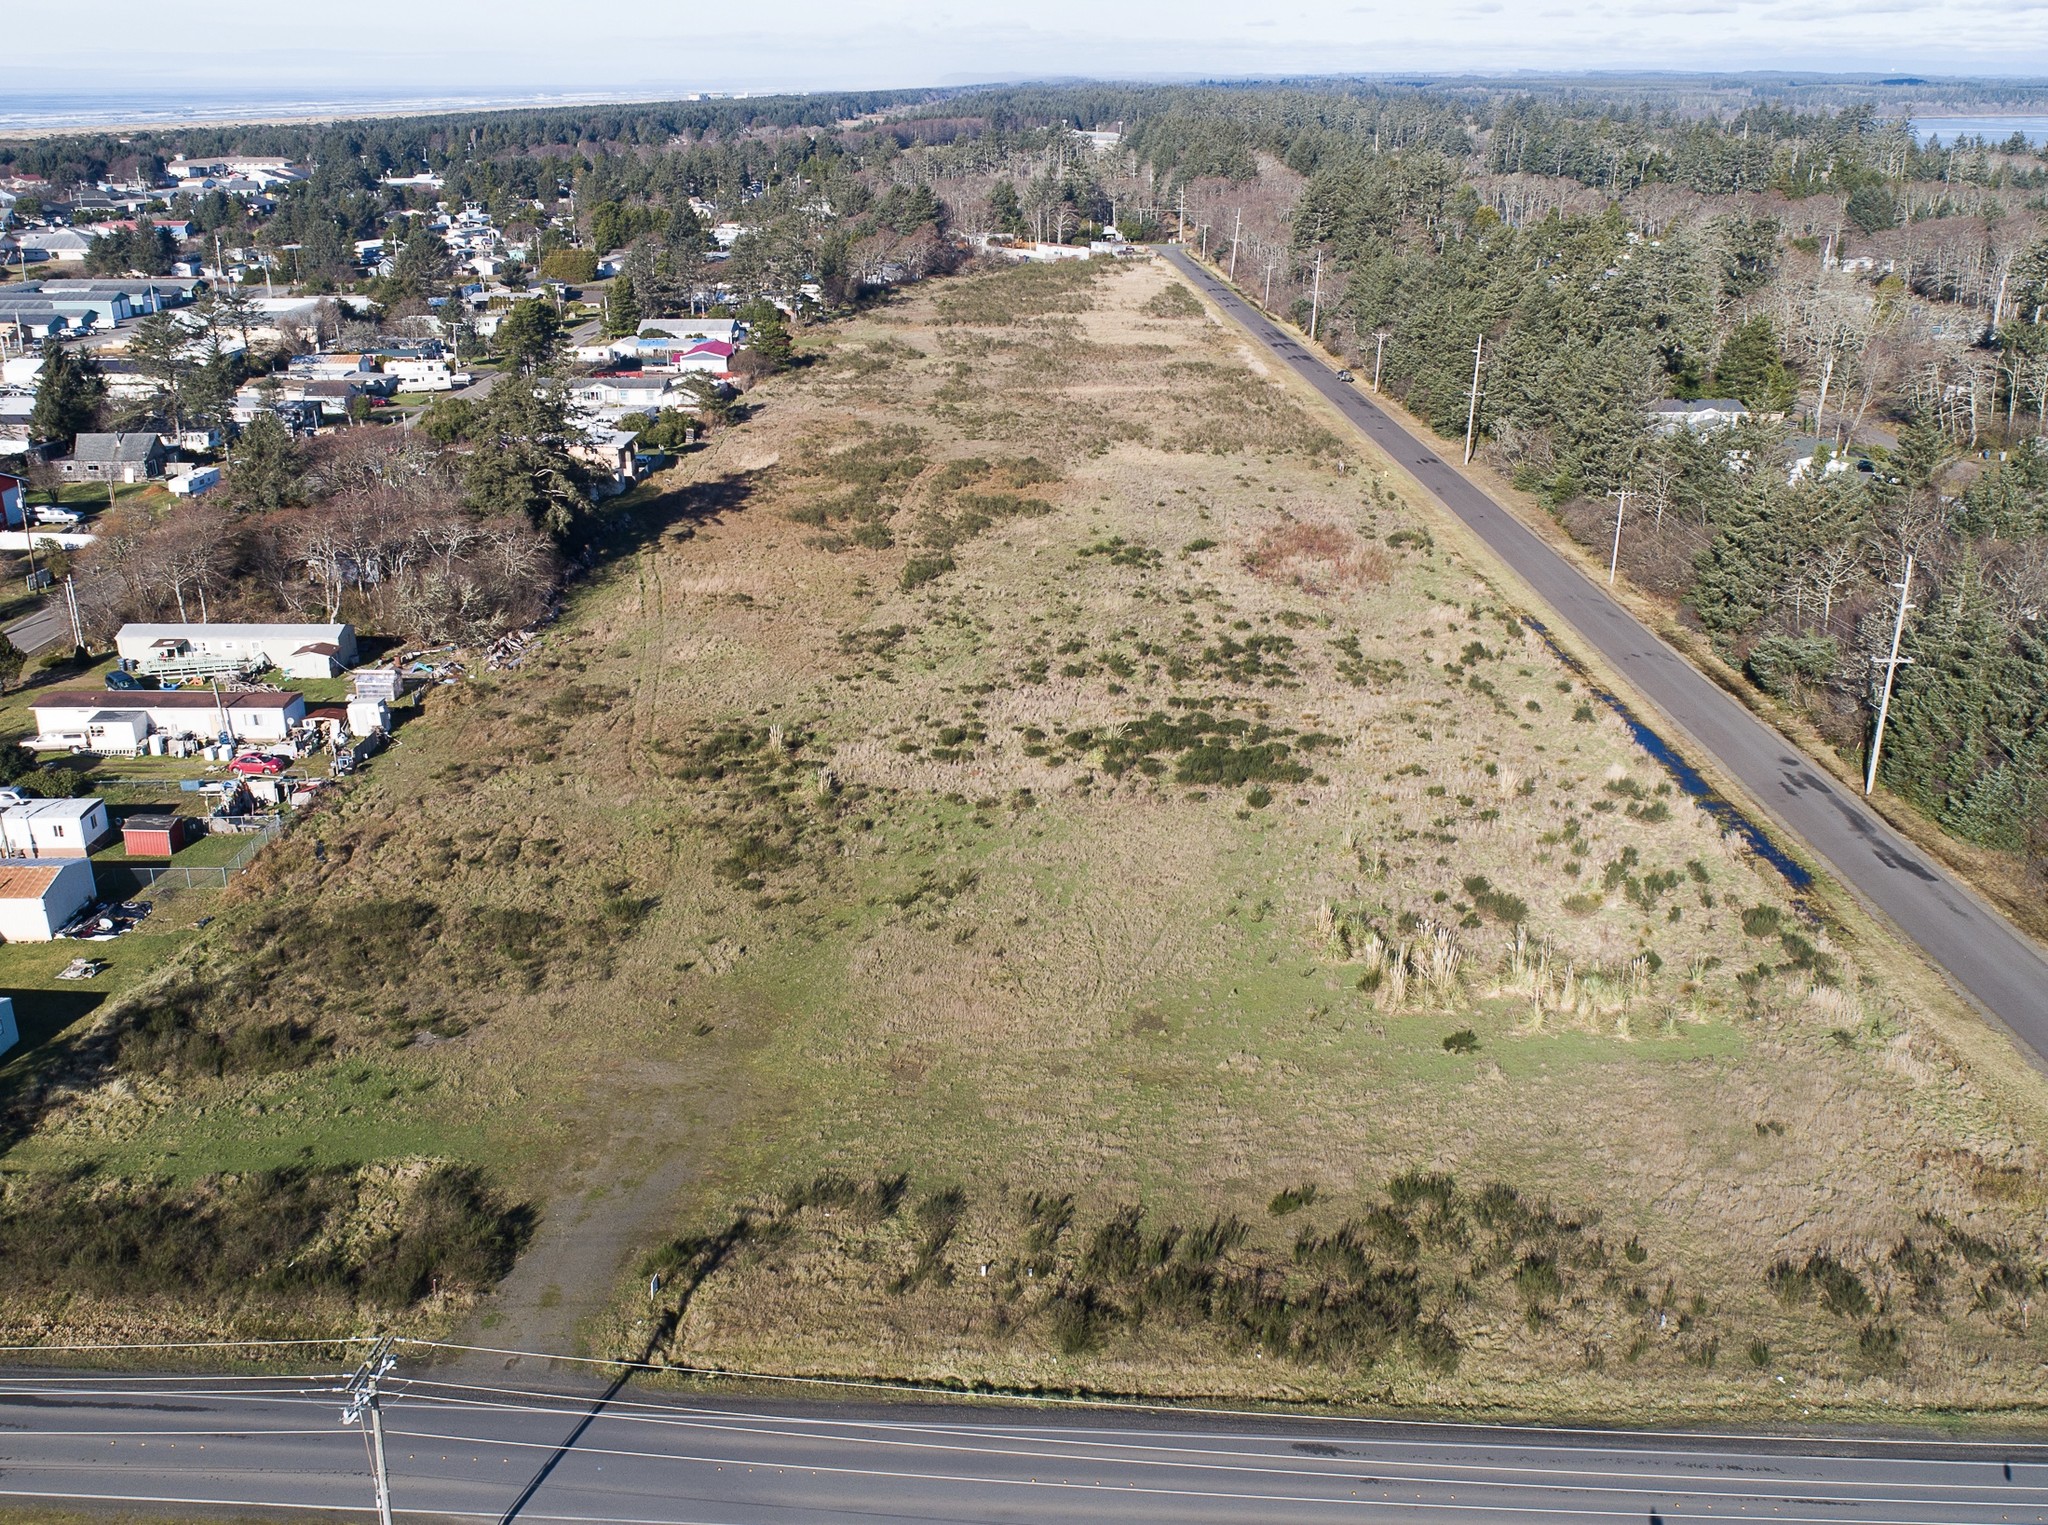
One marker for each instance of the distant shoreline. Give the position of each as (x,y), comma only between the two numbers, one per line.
(24,126)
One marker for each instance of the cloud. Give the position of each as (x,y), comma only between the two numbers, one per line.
(466,46)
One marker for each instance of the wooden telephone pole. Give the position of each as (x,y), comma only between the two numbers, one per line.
(363,1401)
(1892,665)
(1472,411)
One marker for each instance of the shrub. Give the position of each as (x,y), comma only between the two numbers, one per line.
(1463,1041)
(272,1232)
(1882,1345)
(1503,907)
(867,1202)
(1292,1200)
(1840,1289)
(920,570)
(1174,301)
(1078,1319)
(1762,920)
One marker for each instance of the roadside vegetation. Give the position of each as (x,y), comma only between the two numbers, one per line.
(1030,860)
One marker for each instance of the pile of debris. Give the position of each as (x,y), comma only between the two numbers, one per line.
(509,650)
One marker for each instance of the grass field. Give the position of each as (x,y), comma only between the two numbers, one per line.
(1033,862)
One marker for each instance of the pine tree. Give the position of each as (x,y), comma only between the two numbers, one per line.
(1006,209)
(621,308)
(69,392)
(263,465)
(1750,367)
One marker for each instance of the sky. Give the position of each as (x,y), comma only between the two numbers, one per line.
(666,47)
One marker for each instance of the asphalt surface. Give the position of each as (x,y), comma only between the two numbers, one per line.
(524,1453)
(1979,950)
(46,627)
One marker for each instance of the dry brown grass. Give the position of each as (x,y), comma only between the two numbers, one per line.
(1317,558)
(916,903)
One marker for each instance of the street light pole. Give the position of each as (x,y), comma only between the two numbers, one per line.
(1236,230)
(1378,353)
(1315,303)
(1892,664)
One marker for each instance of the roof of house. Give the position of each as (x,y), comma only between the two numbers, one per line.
(25,881)
(115,447)
(1700,405)
(184,631)
(117,717)
(68,810)
(169,699)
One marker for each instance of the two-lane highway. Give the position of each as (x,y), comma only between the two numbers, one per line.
(1981,951)
(458,1450)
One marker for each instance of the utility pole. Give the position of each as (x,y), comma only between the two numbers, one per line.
(363,1398)
(1205,242)
(77,626)
(1827,372)
(1892,664)
(1237,228)
(1183,214)
(1268,302)
(1379,351)
(1614,560)
(1472,411)
(1315,301)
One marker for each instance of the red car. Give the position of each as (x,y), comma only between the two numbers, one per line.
(252,764)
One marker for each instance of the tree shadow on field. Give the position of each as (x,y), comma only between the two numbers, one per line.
(31,1073)
(634,524)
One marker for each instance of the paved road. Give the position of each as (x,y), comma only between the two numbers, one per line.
(466,1452)
(1978,948)
(46,627)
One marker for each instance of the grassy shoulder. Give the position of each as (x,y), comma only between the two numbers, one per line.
(1088,892)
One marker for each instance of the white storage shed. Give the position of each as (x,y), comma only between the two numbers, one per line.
(37,900)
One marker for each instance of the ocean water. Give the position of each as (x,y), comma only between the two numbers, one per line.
(1993,129)
(29,112)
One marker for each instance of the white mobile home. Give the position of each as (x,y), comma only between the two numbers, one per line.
(55,828)
(299,651)
(92,720)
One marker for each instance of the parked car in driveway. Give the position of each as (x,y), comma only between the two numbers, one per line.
(51,513)
(257,764)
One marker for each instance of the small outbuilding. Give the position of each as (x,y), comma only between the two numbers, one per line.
(157,836)
(37,900)
(10,1032)
(72,828)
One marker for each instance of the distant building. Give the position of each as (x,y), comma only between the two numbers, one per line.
(1674,414)
(65,244)
(114,458)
